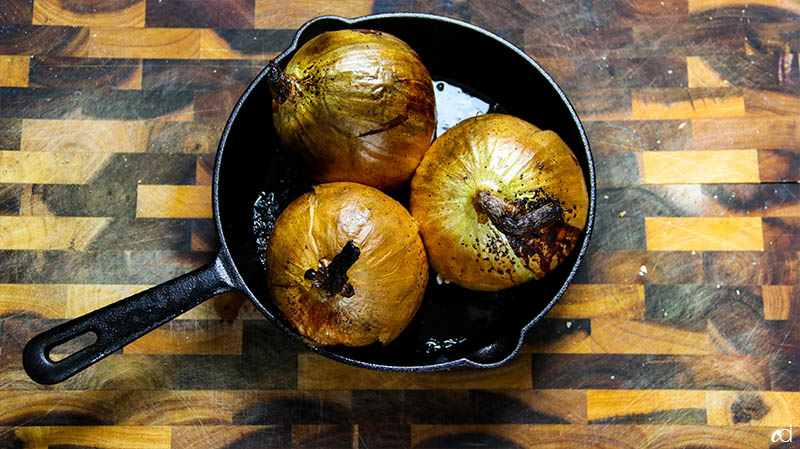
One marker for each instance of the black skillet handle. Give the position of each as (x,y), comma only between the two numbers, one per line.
(122,322)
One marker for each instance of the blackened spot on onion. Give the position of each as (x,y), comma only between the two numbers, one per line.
(332,279)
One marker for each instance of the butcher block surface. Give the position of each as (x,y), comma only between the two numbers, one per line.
(682,327)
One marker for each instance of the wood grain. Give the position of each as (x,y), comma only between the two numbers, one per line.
(600,301)
(686,104)
(118,437)
(173,201)
(704,234)
(269,14)
(637,337)
(130,13)
(82,135)
(754,408)
(640,407)
(677,167)
(781,302)
(49,233)
(14,71)
(191,337)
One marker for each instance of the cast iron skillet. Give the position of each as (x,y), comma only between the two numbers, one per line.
(252,177)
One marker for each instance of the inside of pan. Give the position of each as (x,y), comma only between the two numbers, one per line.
(257,179)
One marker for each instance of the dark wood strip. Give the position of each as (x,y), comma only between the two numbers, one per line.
(10,199)
(650,372)
(746,133)
(41,103)
(691,306)
(200,13)
(617,169)
(214,108)
(172,169)
(144,234)
(784,370)
(778,267)
(613,232)
(625,267)
(287,407)
(210,75)
(549,331)
(16,11)
(602,104)
(41,40)
(80,73)
(639,135)
(528,407)
(135,104)
(412,406)
(782,233)
(10,133)
(257,42)
(512,436)
(617,73)
(744,12)
(554,41)
(780,166)
(371,435)
(741,335)
(684,39)
(101,267)
(774,38)
(185,137)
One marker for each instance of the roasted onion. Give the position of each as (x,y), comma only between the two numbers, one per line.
(346,265)
(499,202)
(355,105)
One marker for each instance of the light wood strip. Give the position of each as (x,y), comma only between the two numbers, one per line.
(84,298)
(35,167)
(755,408)
(175,408)
(14,70)
(104,136)
(686,107)
(117,437)
(778,301)
(600,301)
(318,372)
(145,43)
(685,436)
(214,47)
(47,301)
(697,6)
(700,167)
(604,404)
(287,15)
(49,233)
(611,336)
(191,337)
(187,437)
(704,234)
(52,12)
(701,74)
(167,201)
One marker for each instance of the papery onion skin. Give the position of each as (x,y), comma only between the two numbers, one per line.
(523,169)
(388,279)
(359,106)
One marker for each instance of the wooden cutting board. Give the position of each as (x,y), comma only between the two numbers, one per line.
(681,330)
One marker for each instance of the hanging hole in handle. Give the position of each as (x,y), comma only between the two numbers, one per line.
(73,345)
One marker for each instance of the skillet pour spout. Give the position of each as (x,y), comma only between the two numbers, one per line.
(454,327)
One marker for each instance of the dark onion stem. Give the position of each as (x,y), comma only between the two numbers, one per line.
(332,279)
(512,220)
(280,84)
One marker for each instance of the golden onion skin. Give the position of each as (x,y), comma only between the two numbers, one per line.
(358,105)
(500,161)
(388,278)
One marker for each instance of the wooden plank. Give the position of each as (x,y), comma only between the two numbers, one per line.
(191,337)
(616,73)
(611,336)
(528,435)
(639,135)
(31,167)
(214,46)
(701,74)
(746,133)
(781,233)
(754,408)
(699,6)
(104,136)
(85,73)
(318,372)
(193,409)
(270,14)
(200,13)
(781,302)
(47,301)
(646,407)
(744,268)
(559,336)
(694,167)
(770,103)
(641,267)
(527,407)
(173,201)
(116,14)
(305,406)
(729,437)
(670,104)
(161,43)
(117,437)
(602,104)
(27,39)
(187,437)
(14,70)
(600,301)
(49,233)
(704,234)
(780,166)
